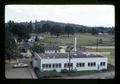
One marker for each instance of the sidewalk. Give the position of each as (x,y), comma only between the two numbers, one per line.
(33,74)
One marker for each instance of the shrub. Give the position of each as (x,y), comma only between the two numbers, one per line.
(48,74)
(104,70)
(73,71)
(54,70)
(64,71)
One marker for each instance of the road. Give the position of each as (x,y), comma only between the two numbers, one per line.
(19,73)
(101,75)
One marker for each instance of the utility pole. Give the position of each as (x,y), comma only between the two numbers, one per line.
(69,61)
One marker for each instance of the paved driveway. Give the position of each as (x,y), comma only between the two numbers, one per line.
(19,73)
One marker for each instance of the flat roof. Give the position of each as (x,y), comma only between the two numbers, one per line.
(66,55)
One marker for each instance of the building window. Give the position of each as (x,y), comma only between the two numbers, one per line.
(80,64)
(91,64)
(59,65)
(65,65)
(68,65)
(43,65)
(56,65)
(102,63)
(94,64)
(53,65)
(49,65)
(46,65)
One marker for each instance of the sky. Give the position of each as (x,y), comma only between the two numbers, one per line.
(88,15)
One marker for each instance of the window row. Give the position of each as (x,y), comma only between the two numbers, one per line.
(67,65)
(80,64)
(102,64)
(57,65)
(91,64)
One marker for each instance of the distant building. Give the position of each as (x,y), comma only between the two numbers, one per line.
(100,33)
(106,33)
(54,49)
(33,36)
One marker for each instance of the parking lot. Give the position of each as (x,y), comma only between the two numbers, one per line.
(19,73)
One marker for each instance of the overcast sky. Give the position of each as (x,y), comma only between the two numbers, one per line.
(89,15)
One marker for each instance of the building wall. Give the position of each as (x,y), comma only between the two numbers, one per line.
(37,62)
(74,61)
(57,51)
(62,50)
(49,51)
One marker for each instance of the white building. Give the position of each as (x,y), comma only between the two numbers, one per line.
(59,61)
(33,36)
(73,60)
(54,49)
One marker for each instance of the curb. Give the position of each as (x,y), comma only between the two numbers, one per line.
(33,74)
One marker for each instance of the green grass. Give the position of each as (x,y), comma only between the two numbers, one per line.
(83,39)
(111,57)
(49,74)
(79,73)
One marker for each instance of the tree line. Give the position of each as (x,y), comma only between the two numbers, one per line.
(24,29)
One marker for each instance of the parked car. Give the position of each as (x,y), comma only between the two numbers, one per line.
(20,65)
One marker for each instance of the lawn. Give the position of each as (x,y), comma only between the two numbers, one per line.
(111,57)
(49,74)
(83,39)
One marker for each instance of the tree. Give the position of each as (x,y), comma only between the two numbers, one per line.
(20,30)
(11,49)
(36,39)
(46,27)
(68,29)
(94,31)
(57,30)
(39,48)
(29,27)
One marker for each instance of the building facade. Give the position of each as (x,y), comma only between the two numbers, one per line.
(74,63)
(54,49)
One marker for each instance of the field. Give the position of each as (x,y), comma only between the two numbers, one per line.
(84,39)
(111,57)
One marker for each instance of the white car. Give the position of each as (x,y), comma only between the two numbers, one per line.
(20,65)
